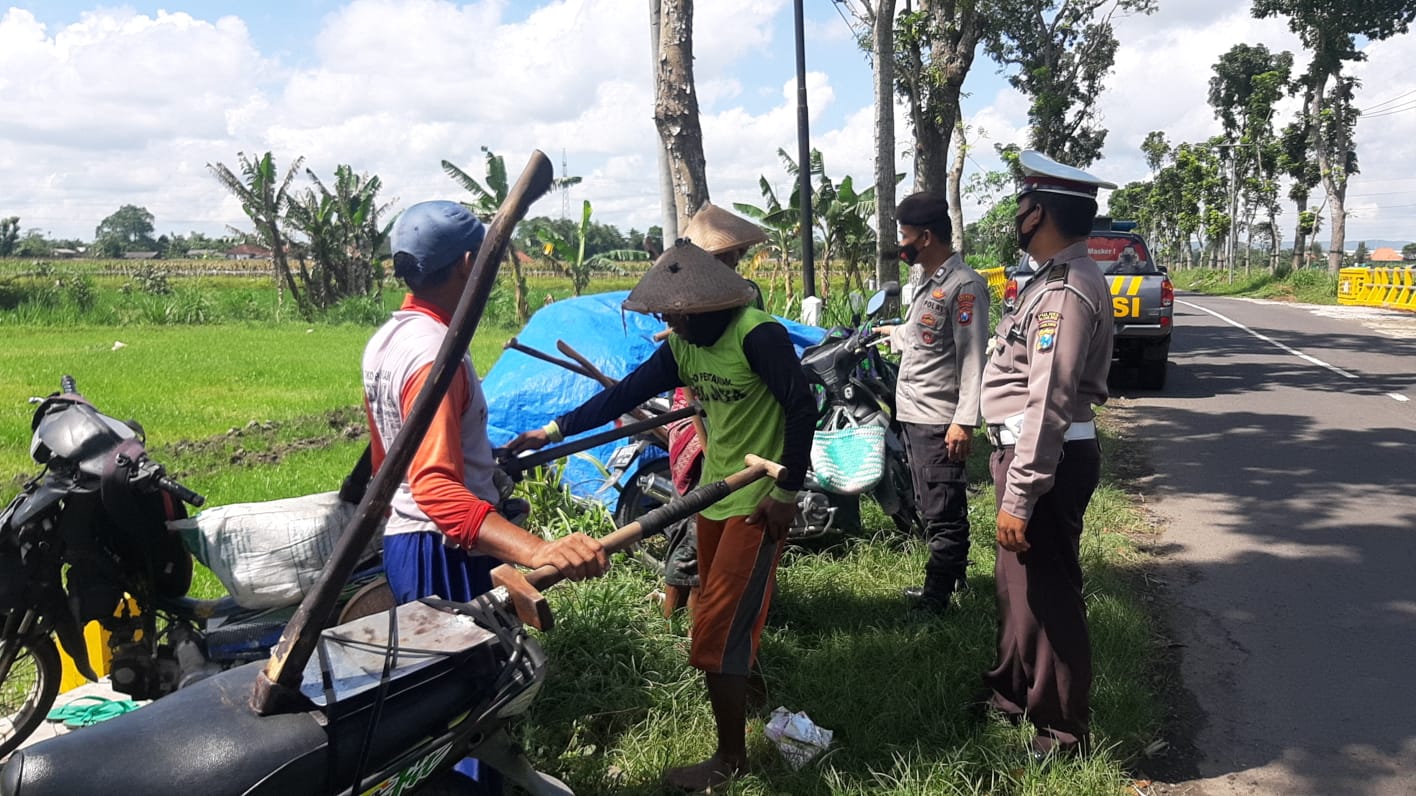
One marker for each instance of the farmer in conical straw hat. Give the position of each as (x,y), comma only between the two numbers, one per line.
(725,236)
(740,362)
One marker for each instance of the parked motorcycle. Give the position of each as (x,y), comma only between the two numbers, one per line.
(389,703)
(99,509)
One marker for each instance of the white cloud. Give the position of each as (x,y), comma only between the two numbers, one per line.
(120,107)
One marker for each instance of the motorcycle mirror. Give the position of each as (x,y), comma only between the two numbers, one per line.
(877,303)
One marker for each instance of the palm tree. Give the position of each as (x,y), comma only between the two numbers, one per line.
(264,199)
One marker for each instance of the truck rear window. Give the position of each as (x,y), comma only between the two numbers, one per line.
(1121,254)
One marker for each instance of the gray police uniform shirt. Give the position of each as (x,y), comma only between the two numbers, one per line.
(941,345)
(1047,368)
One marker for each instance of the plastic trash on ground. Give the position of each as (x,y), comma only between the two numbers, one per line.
(796,736)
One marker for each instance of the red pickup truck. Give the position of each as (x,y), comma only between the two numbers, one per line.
(1142,298)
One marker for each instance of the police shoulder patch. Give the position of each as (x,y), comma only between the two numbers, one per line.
(1046,335)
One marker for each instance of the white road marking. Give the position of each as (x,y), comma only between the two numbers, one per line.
(1397,397)
(1271,341)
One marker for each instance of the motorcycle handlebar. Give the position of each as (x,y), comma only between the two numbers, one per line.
(180,492)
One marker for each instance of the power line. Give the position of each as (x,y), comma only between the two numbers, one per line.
(1390,111)
(1389,101)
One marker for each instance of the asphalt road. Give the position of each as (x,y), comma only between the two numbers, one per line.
(1284,451)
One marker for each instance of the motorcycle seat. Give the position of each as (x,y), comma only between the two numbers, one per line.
(205,738)
(201,739)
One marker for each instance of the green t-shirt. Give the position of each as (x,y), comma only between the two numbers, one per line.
(743,415)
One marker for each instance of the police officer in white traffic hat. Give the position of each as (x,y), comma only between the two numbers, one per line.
(1046,371)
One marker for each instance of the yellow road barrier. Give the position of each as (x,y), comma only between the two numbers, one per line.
(996,281)
(1390,288)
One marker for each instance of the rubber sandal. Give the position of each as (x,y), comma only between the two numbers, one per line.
(90,710)
(74,708)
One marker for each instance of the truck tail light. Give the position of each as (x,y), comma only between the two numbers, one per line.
(1167,293)
(1010,291)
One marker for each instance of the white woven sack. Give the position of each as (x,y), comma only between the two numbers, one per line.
(269,554)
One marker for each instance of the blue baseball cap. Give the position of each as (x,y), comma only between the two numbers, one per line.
(430,236)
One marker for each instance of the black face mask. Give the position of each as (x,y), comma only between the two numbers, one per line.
(1024,238)
(910,252)
(704,328)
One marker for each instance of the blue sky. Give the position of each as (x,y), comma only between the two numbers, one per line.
(128,103)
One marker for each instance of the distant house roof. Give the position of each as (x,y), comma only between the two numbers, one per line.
(247,251)
(1385,254)
(139,255)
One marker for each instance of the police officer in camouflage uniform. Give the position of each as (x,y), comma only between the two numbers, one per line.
(941,345)
(1047,369)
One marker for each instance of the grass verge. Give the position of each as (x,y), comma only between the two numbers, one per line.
(621,703)
(1309,286)
(246,412)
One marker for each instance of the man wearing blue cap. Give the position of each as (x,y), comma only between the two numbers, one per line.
(1047,369)
(444,533)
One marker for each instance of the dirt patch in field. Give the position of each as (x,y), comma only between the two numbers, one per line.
(266,442)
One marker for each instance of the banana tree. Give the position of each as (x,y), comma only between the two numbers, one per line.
(841,219)
(264,198)
(488,198)
(343,235)
(782,233)
(570,255)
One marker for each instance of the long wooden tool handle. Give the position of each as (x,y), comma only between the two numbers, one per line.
(599,375)
(595,372)
(517,345)
(278,687)
(679,508)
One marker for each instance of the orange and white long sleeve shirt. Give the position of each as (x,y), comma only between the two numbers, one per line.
(449,487)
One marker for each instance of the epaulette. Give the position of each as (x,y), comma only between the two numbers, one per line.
(1058,273)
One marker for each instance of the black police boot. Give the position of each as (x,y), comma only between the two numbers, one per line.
(933,596)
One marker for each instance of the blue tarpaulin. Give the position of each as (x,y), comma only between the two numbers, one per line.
(526,393)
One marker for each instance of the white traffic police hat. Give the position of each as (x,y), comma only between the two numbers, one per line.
(1042,174)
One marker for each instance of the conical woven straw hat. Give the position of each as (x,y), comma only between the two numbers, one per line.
(716,230)
(686,279)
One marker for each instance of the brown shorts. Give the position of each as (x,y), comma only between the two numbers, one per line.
(736,568)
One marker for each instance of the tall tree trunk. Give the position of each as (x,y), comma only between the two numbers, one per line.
(1334,174)
(1300,237)
(668,210)
(887,250)
(933,89)
(1338,242)
(956,195)
(676,109)
(1277,239)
